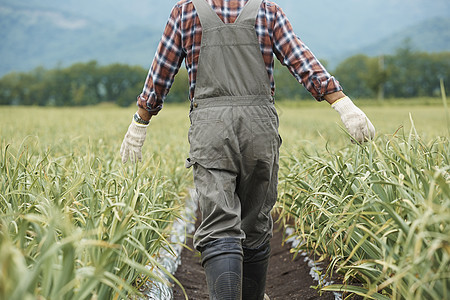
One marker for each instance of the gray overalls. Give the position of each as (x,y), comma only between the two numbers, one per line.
(234,140)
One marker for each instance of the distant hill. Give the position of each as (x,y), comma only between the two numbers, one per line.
(41,33)
(48,37)
(430,36)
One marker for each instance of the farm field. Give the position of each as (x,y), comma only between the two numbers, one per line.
(77,224)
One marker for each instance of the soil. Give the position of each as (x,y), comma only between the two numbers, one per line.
(287,279)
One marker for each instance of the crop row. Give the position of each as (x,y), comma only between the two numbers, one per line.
(379,213)
(81,227)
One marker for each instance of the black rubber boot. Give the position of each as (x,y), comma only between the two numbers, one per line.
(222,261)
(256,262)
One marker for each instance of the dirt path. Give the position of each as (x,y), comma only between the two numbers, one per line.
(288,278)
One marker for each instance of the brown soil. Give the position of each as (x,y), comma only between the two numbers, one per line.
(287,278)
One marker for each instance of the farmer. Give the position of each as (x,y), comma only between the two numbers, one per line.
(228,47)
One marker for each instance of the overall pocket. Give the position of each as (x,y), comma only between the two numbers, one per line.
(265,138)
(206,138)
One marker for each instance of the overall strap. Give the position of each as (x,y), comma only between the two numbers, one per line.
(208,17)
(249,13)
(230,63)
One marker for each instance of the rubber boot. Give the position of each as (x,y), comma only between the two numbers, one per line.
(222,261)
(256,262)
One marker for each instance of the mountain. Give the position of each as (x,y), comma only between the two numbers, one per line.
(429,36)
(49,37)
(53,33)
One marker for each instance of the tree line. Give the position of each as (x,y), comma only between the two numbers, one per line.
(404,74)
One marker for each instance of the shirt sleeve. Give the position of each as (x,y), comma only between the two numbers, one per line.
(300,61)
(166,63)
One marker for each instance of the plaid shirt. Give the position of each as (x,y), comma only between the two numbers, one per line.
(182,40)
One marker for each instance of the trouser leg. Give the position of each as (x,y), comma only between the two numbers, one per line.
(256,262)
(238,189)
(222,261)
(219,205)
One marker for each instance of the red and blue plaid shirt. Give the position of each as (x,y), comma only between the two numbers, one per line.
(182,40)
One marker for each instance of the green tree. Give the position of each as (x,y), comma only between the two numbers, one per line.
(402,69)
(352,74)
(179,92)
(120,81)
(376,76)
(287,86)
(417,74)
(407,73)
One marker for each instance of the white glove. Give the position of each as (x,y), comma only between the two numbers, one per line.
(133,142)
(355,120)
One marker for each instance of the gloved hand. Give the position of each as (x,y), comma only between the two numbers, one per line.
(133,142)
(355,120)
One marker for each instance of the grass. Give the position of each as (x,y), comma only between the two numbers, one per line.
(317,125)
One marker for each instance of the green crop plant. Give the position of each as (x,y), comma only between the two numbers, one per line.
(77,224)
(379,212)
